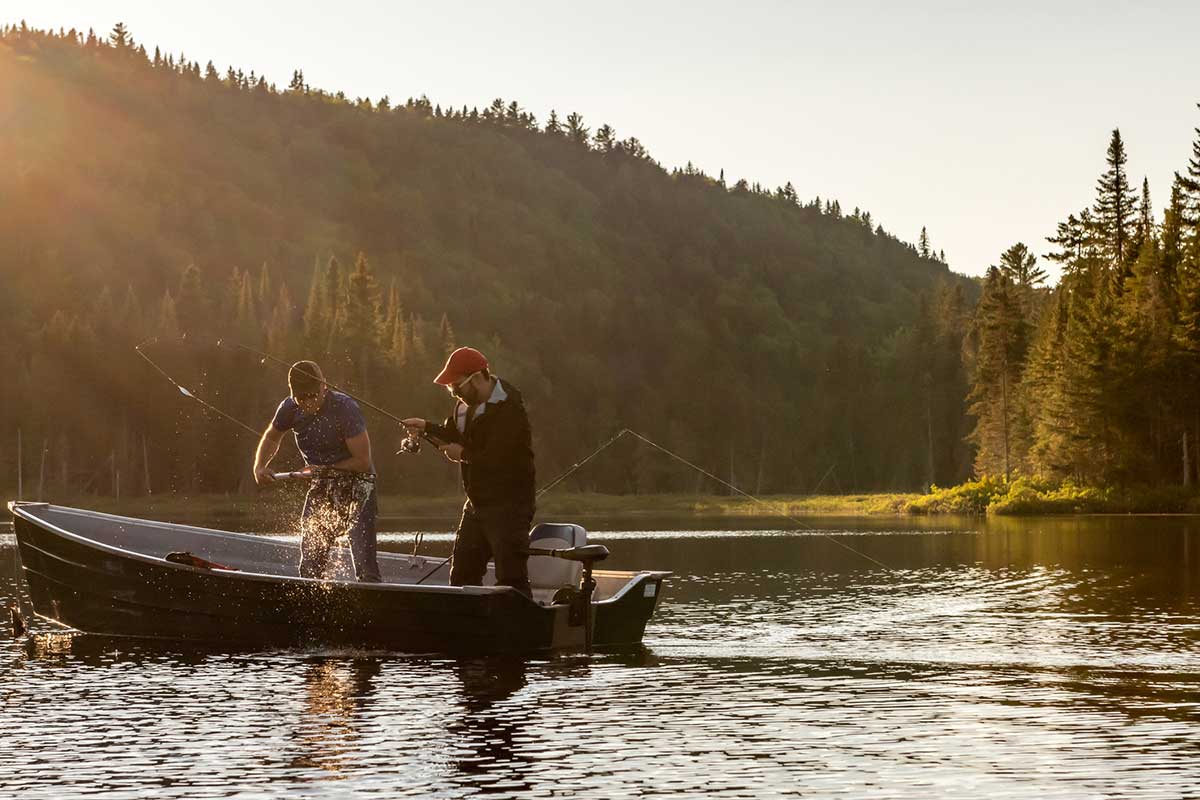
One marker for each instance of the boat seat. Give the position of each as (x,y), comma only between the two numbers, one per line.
(547,572)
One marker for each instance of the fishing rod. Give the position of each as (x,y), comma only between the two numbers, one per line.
(410,444)
(188,393)
(623,432)
(264,357)
(279,476)
(626,431)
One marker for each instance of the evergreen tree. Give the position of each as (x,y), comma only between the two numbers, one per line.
(446,335)
(359,324)
(605,139)
(923,247)
(279,328)
(120,38)
(1046,402)
(1115,219)
(1000,349)
(192,304)
(576,131)
(1019,265)
(317,312)
(1173,234)
(168,319)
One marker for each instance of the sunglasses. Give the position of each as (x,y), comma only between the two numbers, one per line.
(455,389)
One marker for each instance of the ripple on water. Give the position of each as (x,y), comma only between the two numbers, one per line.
(766,672)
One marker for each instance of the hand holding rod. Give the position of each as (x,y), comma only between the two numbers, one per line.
(299,473)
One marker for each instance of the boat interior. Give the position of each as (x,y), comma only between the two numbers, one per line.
(278,556)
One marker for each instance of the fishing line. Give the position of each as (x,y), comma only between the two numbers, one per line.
(264,357)
(579,464)
(803,525)
(188,393)
(540,492)
(574,467)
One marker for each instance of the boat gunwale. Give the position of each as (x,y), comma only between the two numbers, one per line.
(22,509)
(16,508)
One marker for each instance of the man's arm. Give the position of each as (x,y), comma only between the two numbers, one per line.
(268,446)
(360,454)
(434,433)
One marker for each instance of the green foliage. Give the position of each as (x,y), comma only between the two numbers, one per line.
(1026,496)
(772,341)
(972,497)
(997,347)
(1107,394)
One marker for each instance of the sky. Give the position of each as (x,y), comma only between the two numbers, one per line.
(986,124)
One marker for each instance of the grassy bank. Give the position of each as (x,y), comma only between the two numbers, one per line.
(1027,497)
(1021,497)
(564,504)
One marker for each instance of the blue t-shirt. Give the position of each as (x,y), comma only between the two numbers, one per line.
(321,437)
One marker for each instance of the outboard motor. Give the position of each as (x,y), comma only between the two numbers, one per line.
(568,544)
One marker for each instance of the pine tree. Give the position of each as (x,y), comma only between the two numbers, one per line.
(1091,373)
(394,335)
(1190,184)
(192,304)
(576,131)
(1046,404)
(1173,234)
(1190,218)
(1114,208)
(446,335)
(168,319)
(120,38)
(279,329)
(246,319)
(263,294)
(1019,265)
(1144,229)
(605,138)
(923,247)
(316,310)
(131,315)
(359,324)
(1000,349)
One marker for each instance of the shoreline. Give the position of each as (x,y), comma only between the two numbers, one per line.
(286,502)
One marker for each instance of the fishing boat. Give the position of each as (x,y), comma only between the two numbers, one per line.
(120,576)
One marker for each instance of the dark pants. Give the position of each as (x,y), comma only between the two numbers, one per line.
(334,507)
(499,532)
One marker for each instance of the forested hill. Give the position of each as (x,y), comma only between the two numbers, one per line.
(776,340)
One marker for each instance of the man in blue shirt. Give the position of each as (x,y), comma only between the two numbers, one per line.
(331,435)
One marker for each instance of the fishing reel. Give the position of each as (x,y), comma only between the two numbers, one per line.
(410,443)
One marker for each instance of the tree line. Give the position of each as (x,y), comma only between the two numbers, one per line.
(786,344)
(1096,380)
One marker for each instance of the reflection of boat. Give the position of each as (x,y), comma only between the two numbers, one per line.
(106,574)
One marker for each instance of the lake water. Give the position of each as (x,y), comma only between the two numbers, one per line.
(1011,658)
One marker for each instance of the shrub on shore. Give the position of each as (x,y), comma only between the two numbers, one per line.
(1029,496)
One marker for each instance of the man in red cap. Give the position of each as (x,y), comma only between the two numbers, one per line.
(488,436)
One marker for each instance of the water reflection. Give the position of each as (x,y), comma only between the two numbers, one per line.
(1002,658)
(483,732)
(334,691)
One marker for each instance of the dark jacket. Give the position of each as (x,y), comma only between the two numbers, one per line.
(497,465)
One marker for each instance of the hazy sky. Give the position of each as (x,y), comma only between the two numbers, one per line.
(988,125)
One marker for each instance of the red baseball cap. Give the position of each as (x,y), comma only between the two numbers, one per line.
(462,362)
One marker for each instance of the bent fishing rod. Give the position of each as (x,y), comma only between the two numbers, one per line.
(188,393)
(183,390)
(265,357)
